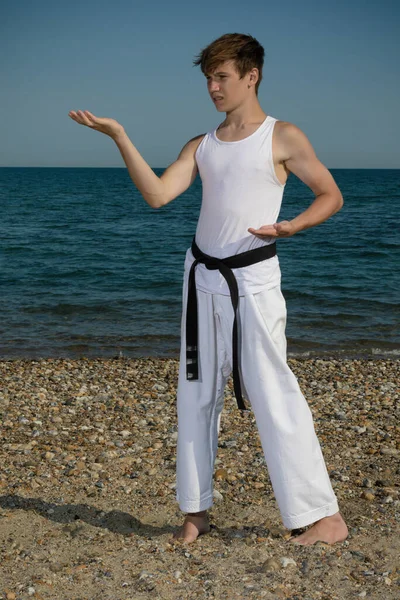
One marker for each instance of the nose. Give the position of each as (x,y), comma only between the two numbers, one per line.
(213,86)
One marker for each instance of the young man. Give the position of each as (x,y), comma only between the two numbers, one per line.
(234,314)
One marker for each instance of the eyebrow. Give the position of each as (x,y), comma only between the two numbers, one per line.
(219,73)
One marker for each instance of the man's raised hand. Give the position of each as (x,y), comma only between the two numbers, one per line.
(104,125)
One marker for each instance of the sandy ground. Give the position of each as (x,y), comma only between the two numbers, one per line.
(87,487)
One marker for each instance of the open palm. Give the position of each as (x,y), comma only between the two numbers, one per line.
(282,229)
(105,125)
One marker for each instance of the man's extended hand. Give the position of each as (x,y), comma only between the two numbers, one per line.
(282,229)
(110,127)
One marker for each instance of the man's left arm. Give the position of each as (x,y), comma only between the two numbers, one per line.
(297,153)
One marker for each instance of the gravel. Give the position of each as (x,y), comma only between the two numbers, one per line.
(87,487)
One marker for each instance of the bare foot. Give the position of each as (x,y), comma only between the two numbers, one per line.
(193,526)
(329,529)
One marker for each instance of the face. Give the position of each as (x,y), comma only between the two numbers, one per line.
(225,87)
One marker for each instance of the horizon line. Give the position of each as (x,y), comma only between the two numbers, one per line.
(125,168)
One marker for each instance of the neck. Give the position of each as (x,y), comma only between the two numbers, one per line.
(244,115)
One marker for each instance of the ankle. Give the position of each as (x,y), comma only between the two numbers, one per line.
(202,513)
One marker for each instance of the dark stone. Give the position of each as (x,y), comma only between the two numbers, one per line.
(305,567)
(381,483)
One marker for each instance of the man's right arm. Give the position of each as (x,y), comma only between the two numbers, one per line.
(176,179)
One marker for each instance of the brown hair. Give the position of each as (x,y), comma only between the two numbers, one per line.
(244,50)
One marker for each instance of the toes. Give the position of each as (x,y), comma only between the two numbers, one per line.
(303,542)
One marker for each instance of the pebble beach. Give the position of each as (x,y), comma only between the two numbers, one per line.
(87,487)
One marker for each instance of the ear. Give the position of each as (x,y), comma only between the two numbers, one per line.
(253,76)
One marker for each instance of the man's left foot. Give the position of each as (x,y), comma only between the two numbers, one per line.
(329,530)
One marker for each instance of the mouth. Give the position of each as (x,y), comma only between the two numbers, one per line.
(217,99)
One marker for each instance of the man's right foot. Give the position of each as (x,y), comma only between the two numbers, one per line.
(193,526)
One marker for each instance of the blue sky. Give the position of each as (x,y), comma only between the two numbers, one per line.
(331,68)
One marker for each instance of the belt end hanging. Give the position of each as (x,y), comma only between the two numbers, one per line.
(192,365)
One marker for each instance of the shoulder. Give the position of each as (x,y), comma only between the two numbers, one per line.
(290,138)
(286,130)
(189,149)
(196,140)
(198,137)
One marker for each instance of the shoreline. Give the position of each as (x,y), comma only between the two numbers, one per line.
(374,353)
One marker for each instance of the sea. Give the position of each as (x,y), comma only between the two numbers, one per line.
(89,269)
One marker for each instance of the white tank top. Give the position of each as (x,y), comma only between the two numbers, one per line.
(240,190)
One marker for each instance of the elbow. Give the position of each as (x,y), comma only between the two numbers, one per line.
(157,198)
(336,201)
(154,201)
(154,205)
(160,203)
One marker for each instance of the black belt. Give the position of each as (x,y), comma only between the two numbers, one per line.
(224,266)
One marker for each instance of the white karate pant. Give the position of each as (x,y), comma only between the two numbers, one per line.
(296,466)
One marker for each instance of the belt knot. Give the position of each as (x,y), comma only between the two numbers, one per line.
(213,263)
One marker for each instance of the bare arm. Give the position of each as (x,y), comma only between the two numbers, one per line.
(300,159)
(179,176)
(297,154)
(176,179)
(157,191)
